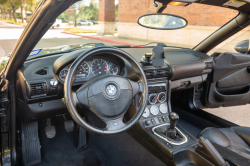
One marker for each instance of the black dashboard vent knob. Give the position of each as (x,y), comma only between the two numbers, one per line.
(209,65)
(38,89)
(42,72)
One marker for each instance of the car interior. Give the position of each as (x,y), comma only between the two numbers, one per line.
(120,106)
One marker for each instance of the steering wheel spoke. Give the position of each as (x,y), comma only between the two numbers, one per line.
(136,87)
(82,95)
(115,124)
(75,100)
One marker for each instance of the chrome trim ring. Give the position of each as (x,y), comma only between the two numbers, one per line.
(167,140)
(159,95)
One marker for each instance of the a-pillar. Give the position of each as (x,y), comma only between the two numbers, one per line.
(106,17)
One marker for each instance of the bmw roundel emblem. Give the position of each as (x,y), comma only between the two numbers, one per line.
(111,90)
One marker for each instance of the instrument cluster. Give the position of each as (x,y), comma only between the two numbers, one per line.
(91,68)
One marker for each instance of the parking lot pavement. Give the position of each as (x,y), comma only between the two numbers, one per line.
(9,34)
(239,115)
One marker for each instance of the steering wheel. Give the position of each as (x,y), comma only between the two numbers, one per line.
(108,96)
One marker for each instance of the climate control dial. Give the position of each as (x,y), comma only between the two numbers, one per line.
(152,99)
(162,97)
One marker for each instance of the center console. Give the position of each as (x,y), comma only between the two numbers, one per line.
(159,131)
(158,128)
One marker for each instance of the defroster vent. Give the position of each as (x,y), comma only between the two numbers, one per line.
(157,73)
(38,89)
(42,72)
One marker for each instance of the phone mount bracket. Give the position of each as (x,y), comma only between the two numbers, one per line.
(158,56)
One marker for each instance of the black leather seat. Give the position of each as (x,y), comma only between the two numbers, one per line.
(236,139)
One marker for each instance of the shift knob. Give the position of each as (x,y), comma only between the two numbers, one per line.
(171,132)
(173,117)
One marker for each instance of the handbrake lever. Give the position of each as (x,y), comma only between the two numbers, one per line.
(212,152)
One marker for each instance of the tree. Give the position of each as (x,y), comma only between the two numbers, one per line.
(78,6)
(31,5)
(22,3)
(13,6)
(3,8)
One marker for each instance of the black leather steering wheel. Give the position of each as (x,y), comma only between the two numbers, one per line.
(108,96)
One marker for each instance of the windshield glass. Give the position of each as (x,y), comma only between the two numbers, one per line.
(92,23)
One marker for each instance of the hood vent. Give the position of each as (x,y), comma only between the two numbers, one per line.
(157,73)
(38,89)
(42,72)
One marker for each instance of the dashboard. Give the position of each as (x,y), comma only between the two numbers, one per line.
(40,82)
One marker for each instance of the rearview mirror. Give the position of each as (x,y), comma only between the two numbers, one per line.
(162,21)
(242,47)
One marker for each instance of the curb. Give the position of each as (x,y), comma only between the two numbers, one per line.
(103,39)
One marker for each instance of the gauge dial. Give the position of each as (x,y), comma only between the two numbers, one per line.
(113,70)
(99,66)
(152,99)
(163,108)
(162,97)
(154,110)
(63,74)
(83,69)
(146,113)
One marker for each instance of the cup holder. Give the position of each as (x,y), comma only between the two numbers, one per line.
(190,158)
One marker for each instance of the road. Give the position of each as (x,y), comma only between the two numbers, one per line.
(9,35)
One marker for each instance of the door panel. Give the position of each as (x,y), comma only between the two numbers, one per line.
(238,78)
(229,84)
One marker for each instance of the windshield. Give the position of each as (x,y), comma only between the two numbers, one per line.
(92,23)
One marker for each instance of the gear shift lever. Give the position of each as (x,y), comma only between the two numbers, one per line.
(171,131)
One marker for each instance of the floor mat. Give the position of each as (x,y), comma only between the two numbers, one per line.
(61,151)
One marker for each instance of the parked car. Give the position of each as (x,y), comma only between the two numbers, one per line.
(64,21)
(96,104)
(57,23)
(93,21)
(84,22)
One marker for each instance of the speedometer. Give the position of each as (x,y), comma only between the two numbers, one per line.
(83,70)
(63,74)
(99,66)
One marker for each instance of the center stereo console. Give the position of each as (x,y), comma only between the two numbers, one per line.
(156,117)
(157,110)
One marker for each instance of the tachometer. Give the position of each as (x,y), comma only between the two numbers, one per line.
(83,69)
(63,74)
(99,66)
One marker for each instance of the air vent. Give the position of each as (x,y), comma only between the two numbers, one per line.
(42,72)
(157,73)
(209,65)
(38,89)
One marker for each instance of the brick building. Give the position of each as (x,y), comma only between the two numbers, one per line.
(202,21)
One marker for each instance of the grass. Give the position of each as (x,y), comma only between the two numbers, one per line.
(11,21)
(80,30)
